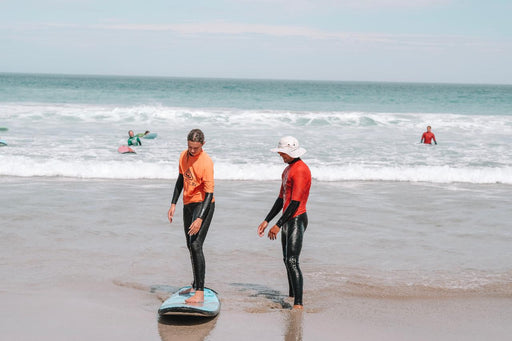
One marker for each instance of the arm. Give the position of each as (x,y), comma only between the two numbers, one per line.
(288,213)
(208,197)
(434,138)
(208,186)
(178,187)
(196,224)
(278,205)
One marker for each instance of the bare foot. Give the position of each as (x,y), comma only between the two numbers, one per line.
(187,291)
(298,307)
(197,298)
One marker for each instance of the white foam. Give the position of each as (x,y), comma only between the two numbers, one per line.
(236,117)
(81,141)
(435,174)
(26,167)
(132,168)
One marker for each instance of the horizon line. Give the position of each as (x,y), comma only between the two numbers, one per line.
(249,78)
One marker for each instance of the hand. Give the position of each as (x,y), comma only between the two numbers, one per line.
(195,227)
(261,228)
(272,234)
(170,214)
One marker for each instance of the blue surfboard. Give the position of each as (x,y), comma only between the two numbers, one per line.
(176,305)
(3,143)
(150,136)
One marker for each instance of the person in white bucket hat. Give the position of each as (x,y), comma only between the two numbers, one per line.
(292,199)
(290,146)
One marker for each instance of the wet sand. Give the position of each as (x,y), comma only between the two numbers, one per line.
(108,312)
(74,266)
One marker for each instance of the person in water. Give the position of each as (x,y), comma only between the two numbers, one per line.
(133,140)
(428,136)
(195,178)
(292,199)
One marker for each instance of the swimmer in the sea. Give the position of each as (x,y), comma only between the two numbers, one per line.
(133,140)
(292,199)
(428,136)
(195,178)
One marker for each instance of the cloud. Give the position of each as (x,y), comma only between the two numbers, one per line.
(286,34)
(284,31)
(357,4)
(394,4)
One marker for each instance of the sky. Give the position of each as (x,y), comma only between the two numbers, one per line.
(446,41)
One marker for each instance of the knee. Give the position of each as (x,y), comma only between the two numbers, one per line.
(195,247)
(291,262)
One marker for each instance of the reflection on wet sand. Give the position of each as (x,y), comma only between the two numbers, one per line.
(277,300)
(293,321)
(185,328)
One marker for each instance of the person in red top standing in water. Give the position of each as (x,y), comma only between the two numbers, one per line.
(428,136)
(292,199)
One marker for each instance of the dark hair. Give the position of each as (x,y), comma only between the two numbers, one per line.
(196,135)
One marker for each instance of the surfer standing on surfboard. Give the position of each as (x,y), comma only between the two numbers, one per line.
(293,196)
(195,178)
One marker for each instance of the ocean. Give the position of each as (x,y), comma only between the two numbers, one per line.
(389,217)
(71,126)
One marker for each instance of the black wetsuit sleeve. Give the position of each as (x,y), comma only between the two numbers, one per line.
(206,204)
(288,213)
(278,205)
(177,189)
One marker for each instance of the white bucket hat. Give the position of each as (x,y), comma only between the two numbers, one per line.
(289,145)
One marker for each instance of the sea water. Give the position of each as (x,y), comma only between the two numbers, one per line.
(388,215)
(71,126)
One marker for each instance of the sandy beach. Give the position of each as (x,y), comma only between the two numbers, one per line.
(94,259)
(109,312)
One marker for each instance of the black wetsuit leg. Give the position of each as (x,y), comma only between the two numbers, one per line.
(195,242)
(292,234)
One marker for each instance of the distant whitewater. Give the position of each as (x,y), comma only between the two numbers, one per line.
(72,126)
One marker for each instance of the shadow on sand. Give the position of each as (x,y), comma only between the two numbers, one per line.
(186,328)
(270,294)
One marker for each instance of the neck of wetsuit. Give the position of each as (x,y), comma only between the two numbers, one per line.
(293,161)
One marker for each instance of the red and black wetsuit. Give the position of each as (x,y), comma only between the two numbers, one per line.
(293,196)
(427,138)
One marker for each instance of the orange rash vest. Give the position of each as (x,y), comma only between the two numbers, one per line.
(197,176)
